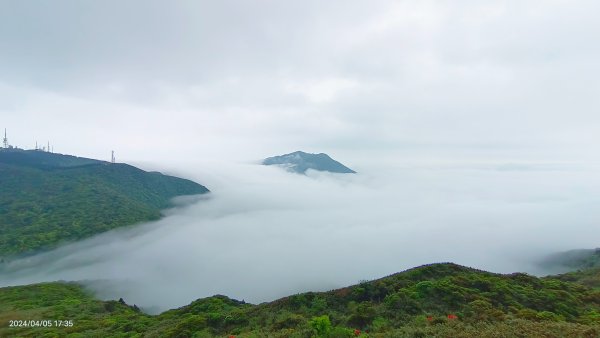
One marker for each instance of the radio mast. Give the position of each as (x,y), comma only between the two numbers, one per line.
(5,139)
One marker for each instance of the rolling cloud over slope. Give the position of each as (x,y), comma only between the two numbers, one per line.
(264,233)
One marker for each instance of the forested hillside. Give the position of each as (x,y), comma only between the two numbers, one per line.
(46,198)
(438,300)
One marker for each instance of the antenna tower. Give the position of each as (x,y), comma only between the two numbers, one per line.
(5,139)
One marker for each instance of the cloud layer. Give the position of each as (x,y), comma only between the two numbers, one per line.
(265,233)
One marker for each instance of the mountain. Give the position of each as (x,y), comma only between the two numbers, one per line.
(43,160)
(48,198)
(437,300)
(572,260)
(300,162)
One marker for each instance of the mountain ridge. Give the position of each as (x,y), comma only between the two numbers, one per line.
(437,300)
(48,198)
(299,162)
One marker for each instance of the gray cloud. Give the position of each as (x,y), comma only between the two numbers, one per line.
(238,79)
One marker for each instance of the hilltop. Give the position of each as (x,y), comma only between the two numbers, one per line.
(300,162)
(47,199)
(437,300)
(43,159)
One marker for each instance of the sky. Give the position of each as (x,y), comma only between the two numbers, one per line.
(473,127)
(161,81)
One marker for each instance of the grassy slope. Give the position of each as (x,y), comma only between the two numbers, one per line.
(486,304)
(45,201)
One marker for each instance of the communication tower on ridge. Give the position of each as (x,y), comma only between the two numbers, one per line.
(5,139)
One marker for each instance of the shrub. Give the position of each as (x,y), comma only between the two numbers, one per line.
(362,315)
(321,325)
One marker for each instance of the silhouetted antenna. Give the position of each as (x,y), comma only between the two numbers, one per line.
(5,139)
(112,157)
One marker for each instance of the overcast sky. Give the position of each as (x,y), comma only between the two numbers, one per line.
(164,81)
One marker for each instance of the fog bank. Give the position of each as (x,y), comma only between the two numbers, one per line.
(264,233)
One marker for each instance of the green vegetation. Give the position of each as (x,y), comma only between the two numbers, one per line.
(438,300)
(587,277)
(47,199)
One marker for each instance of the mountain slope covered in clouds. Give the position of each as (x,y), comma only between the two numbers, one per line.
(50,198)
(437,300)
(573,260)
(300,162)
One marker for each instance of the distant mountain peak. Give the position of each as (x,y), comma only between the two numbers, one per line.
(300,162)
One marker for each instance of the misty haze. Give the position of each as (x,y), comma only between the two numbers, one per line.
(264,233)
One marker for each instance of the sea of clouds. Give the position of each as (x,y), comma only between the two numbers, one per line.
(264,233)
